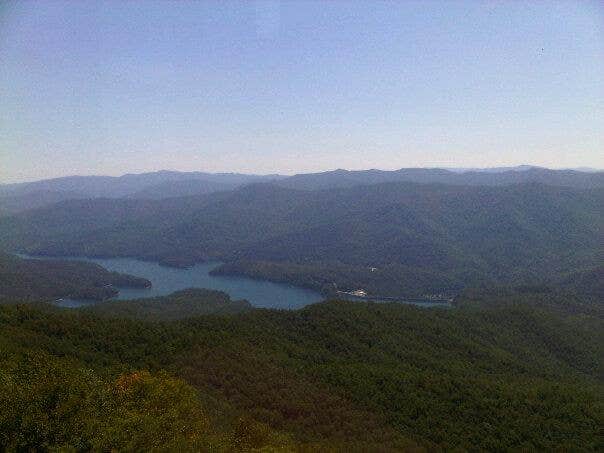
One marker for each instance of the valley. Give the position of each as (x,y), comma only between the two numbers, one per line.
(266,317)
(301,226)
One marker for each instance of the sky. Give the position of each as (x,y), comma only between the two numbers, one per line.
(270,87)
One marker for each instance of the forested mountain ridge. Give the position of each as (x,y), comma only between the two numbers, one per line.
(121,186)
(333,376)
(157,185)
(130,184)
(494,177)
(168,184)
(503,371)
(390,238)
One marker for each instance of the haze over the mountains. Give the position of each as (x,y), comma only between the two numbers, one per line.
(298,226)
(300,86)
(168,184)
(516,252)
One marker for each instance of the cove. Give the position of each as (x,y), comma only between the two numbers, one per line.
(166,280)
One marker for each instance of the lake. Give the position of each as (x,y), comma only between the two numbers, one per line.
(166,280)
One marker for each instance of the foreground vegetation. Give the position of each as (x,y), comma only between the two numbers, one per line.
(513,369)
(182,304)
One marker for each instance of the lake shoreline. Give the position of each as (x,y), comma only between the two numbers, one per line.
(167,279)
(261,292)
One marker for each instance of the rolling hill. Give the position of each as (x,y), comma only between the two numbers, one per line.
(168,184)
(157,185)
(501,372)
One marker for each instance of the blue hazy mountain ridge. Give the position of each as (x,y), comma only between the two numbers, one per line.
(487,177)
(167,184)
(495,169)
(130,184)
(519,168)
(164,184)
(17,202)
(417,238)
(182,188)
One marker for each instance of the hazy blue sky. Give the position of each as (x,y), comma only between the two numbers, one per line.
(109,88)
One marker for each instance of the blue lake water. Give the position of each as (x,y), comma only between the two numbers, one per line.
(166,280)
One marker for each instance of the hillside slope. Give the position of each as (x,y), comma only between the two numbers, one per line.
(518,372)
(156,185)
(30,279)
(392,238)
(169,184)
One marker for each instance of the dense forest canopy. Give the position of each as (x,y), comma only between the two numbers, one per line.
(515,364)
(509,369)
(51,279)
(316,303)
(182,304)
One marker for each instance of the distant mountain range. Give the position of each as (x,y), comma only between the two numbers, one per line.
(131,184)
(485,177)
(518,168)
(169,184)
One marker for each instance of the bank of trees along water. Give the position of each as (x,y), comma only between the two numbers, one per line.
(513,368)
(505,370)
(22,279)
(420,238)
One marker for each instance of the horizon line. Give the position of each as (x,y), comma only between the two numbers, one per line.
(580,169)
